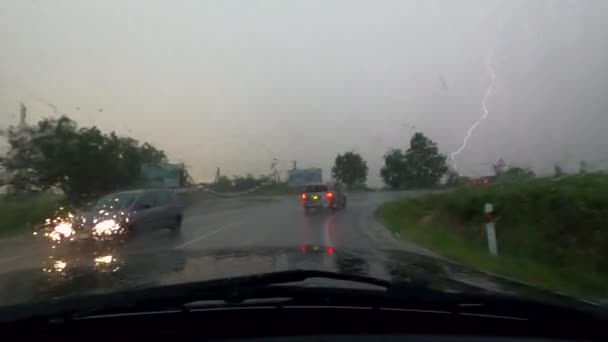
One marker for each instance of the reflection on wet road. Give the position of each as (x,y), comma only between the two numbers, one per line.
(240,237)
(218,239)
(245,223)
(276,222)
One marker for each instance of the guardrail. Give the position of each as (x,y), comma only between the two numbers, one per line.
(225,194)
(201,193)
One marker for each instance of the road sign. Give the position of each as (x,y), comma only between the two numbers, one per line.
(302,177)
(160,175)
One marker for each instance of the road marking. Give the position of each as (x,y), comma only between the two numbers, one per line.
(213,215)
(213,232)
(328,230)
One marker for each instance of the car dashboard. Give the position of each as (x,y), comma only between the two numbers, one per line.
(298,323)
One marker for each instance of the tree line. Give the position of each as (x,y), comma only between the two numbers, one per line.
(82,162)
(420,166)
(242,183)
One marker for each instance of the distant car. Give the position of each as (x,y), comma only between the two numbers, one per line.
(483,180)
(323,196)
(130,211)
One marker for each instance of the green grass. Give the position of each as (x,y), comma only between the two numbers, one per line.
(20,212)
(551,233)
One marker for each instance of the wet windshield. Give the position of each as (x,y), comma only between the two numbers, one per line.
(457,142)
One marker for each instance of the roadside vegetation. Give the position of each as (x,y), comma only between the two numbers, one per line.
(57,163)
(552,232)
(350,169)
(421,166)
(18,213)
(82,162)
(263,184)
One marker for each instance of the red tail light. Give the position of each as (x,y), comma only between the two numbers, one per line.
(303,196)
(303,248)
(485,181)
(329,195)
(330,250)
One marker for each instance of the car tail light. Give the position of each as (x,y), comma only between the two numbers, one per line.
(485,181)
(303,196)
(329,195)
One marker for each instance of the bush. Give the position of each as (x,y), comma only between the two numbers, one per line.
(551,232)
(18,213)
(560,223)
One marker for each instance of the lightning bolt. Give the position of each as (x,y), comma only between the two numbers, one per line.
(484,109)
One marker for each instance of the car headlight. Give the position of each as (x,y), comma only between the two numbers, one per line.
(104,260)
(60,231)
(107,227)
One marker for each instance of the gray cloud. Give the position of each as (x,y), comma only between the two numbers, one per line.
(237,83)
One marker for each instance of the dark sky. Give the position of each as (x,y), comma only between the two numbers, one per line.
(237,83)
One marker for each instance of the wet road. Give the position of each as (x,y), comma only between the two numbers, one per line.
(274,222)
(251,222)
(235,237)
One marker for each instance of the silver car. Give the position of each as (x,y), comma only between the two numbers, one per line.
(323,196)
(132,211)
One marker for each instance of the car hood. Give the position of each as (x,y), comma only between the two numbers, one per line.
(108,269)
(87,219)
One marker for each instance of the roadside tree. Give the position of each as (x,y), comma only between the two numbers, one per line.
(421,166)
(350,169)
(393,172)
(82,162)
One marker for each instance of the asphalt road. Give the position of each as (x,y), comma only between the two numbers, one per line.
(276,222)
(236,236)
(249,222)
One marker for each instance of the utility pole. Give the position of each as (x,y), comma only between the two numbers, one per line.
(217,175)
(277,177)
(22,115)
(275,173)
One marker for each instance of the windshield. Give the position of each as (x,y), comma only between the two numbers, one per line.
(452,142)
(116,201)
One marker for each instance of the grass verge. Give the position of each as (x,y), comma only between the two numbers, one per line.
(551,233)
(19,212)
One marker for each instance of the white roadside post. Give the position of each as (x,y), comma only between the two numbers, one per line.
(490,230)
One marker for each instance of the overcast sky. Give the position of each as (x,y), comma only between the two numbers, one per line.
(237,83)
